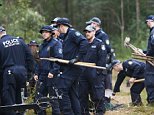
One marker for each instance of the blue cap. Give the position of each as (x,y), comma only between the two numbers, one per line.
(114,62)
(46,28)
(64,21)
(89,28)
(33,43)
(150,17)
(2,28)
(94,19)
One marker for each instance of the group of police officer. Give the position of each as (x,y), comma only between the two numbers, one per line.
(75,84)
(138,70)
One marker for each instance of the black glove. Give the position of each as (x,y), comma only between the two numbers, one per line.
(72,61)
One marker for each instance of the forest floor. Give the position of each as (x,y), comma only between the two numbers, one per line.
(123,99)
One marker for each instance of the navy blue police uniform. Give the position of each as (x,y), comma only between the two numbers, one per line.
(74,47)
(100,34)
(91,79)
(149,73)
(135,69)
(49,48)
(15,61)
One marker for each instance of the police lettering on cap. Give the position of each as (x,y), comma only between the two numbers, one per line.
(55,20)
(150,18)
(46,28)
(94,19)
(89,28)
(2,29)
(64,21)
(33,43)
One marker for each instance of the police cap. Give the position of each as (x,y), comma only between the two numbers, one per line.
(2,28)
(94,19)
(89,28)
(46,28)
(33,43)
(55,19)
(150,18)
(64,21)
(114,62)
(54,27)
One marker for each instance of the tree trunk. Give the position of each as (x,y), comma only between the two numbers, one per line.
(137,18)
(122,22)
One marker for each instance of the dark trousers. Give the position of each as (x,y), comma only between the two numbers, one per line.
(135,92)
(11,93)
(69,103)
(149,84)
(94,86)
(44,90)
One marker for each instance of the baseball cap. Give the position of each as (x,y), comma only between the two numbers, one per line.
(150,17)
(94,19)
(89,28)
(2,28)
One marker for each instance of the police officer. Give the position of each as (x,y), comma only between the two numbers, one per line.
(54,21)
(100,34)
(133,69)
(74,48)
(47,71)
(91,79)
(15,61)
(149,78)
(34,47)
(56,33)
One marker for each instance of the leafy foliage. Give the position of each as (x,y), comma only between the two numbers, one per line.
(25,17)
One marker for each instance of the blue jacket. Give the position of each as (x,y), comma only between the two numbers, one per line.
(51,48)
(74,45)
(131,68)
(150,51)
(14,52)
(96,53)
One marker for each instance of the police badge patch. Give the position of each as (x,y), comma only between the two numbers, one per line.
(103,47)
(77,33)
(130,62)
(60,51)
(107,42)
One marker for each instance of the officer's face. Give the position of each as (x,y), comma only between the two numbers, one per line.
(118,67)
(46,35)
(90,34)
(56,33)
(60,28)
(150,23)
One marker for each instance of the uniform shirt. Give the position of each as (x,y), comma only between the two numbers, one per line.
(131,68)
(150,47)
(96,53)
(100,34)
(150,51)
(14,52)
(74,45)
(51,48)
